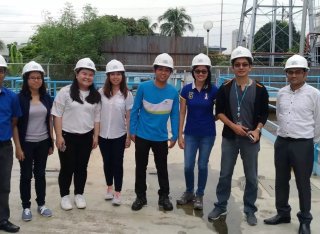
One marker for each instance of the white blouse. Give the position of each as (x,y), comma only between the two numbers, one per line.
(76,117)
(113,114)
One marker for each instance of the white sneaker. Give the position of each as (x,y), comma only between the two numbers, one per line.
(116,201)
(66,203)
(80,201)
(108,196)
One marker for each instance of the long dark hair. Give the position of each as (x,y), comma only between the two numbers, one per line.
(207,83)
(107,88)
(25,90)
(93,97)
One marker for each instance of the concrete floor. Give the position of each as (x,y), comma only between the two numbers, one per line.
(101,217)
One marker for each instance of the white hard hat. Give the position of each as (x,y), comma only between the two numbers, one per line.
(114,66)
(241,52)
(201,59)
(3,62)
(164,60)
(296,61)
(32,66)
(85,63)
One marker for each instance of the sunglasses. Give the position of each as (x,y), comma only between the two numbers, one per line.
(201,71)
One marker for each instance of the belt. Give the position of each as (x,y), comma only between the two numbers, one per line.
(5,143)
(294,139)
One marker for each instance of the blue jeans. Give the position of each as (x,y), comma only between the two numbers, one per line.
(192,144)
(249,154)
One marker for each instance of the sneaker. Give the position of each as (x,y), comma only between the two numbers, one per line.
(165,203)
(198,203)
(251,219)
(185,198)
(44,211)
(116,201)
(109,194)
(215,214)
(26,214)
(139,203)
(66,203)
(80,201)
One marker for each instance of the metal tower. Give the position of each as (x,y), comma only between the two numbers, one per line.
(272,13)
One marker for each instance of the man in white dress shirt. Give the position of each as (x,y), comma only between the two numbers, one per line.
(298,115)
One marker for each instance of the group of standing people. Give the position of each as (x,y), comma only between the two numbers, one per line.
(84,118)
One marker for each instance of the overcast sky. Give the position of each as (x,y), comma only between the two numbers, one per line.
(19,18)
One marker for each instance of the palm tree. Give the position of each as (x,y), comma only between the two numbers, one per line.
(176,22)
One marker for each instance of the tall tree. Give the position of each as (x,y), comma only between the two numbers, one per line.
(262,38)
(176,22)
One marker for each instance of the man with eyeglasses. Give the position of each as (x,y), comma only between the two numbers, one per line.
(242,105)
(298,115)
(9,113)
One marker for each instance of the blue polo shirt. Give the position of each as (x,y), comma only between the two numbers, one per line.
(200,117)
(9,108)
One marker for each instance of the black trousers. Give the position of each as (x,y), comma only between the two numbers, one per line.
(160,151)
(36,154)
(112,151)
(74,162)
(298,155)
(6,162)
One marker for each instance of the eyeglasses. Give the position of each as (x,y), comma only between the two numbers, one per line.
(34,78)
(238,65)
(201,71)
(297,72)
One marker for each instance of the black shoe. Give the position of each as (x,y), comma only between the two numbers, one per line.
(251,219)
(165,203)
(8,227)
(139,203)
(304,228)
(277,219)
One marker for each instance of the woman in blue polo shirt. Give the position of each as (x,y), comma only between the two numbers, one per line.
(197,100)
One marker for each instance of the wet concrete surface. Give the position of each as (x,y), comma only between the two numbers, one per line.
(101,217)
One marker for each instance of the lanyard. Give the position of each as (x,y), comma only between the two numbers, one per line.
(239,102)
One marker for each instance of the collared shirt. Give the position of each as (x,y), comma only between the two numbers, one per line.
(200,119)
(298,112)
(76,117)
(113,114)
(9,108)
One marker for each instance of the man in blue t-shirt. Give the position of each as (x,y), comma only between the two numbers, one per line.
(154,103)
(9,113)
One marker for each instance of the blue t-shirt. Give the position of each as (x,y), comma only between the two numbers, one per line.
(200,119)
(9,108)
(151,110)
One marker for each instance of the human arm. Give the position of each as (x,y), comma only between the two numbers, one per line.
(128,139)
(51,149)
(96,131)
(316,138)
(183,108)
(19,152)
(60,142)
(134,113)
(174,117)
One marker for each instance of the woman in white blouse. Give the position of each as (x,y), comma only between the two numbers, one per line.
(114,137)
(76,111)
